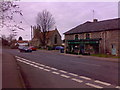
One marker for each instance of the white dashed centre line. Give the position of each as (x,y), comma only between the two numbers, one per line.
(92,85)
(85,77)
(37,65)
(41,65)
(62,71)
(55,73)
(117,87)
(46,70)
(40,68)
(65,76)
(104,83)
(47,67)
(54,69)
(73,74)
(77,80)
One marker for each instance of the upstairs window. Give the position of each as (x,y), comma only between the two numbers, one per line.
(76,37)
(87,35)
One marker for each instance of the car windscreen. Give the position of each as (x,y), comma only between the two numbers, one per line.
(21,47)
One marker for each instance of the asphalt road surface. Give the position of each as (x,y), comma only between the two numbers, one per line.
(48,69)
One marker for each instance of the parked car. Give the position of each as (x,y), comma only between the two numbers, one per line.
(24,49)
(59,47)
(33,48)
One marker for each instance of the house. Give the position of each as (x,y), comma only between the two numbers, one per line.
(94,37)
(53,38)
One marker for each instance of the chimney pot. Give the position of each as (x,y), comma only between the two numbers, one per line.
(95,20)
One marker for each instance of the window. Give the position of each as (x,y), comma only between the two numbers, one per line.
(76,37)
(87,35)
(55,39)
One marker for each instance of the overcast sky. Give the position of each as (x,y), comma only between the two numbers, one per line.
(66,14)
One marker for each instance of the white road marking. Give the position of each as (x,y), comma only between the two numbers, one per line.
(54,69)
(73,74)
(65,76)
(34,64)
(40,68)
(41,65)
(104,83)
(25,62)
(17,56)
(46,70)
(30,64)
(85,77)
(77,80)
(47,67)
(55,73)
(31,61)
(117,87)
(92,85)
(62,71)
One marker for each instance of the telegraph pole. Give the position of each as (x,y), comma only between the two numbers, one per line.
(31,32)
(93,14)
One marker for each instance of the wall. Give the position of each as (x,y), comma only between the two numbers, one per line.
(109,38)
(59,41)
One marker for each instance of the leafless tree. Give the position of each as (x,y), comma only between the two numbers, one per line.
(8,10)
(10,38)
(45,22)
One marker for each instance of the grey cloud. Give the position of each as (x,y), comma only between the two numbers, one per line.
(68,14)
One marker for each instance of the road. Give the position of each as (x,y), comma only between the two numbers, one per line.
(48,69)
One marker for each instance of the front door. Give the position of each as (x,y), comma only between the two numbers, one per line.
(82,49)
(113,49)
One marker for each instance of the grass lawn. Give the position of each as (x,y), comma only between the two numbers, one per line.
(105,55)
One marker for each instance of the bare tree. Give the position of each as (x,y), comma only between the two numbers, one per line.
(10,38)
(4,40)
(8,10)
(7,40)
(45,22)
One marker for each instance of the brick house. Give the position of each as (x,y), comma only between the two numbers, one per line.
(53,38)
(94,37)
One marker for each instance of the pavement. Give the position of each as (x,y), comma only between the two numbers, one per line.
(11,76)
(94,57)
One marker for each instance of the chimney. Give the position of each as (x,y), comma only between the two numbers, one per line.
(95,20)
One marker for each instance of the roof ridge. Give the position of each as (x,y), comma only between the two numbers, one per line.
(109,24)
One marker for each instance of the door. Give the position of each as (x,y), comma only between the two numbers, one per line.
(81,48)
(113,49)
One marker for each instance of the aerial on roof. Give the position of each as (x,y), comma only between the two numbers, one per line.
(111,24)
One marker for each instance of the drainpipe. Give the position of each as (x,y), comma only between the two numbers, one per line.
(104,42)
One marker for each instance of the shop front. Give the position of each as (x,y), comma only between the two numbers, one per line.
(83,46)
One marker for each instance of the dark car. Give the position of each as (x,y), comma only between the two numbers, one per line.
(33,48)
(59,48)
(24,49)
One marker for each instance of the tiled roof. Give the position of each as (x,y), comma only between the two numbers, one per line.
(111,24)
(49,34)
